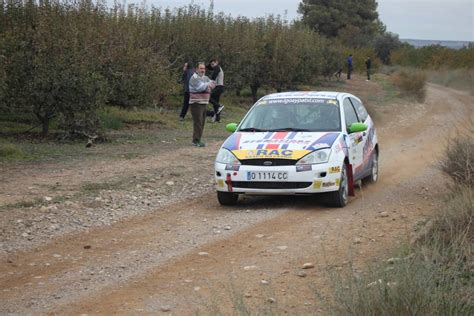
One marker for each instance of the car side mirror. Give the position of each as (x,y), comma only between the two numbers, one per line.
(231,127)
(357,127)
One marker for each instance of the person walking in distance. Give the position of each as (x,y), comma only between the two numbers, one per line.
(349,66)
(200,87)
(218,76)
(368,65)
(188,71)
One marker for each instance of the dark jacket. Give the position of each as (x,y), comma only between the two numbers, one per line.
(368,63)
(187,74)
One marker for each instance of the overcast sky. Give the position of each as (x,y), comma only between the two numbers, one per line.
(414,19)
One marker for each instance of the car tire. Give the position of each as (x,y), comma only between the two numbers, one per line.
(227,198)
(340,197)
(374,169)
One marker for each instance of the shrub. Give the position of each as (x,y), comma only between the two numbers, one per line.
(412,83)
(458,162)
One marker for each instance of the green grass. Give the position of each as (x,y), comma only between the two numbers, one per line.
(22,204)
(390,91)
(9,151)
(99,186)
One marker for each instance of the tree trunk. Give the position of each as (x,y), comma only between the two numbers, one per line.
(44,120)
(45,126)
(254,89)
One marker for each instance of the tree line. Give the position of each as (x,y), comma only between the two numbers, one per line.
(67,59)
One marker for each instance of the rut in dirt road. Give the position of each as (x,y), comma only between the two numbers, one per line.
(197,257)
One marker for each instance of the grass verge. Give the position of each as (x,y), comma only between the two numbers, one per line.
(460,79)
(434,275)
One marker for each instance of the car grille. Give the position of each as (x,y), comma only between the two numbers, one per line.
(275,162)
(270,185)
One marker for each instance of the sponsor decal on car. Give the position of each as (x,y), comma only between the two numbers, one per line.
(328,184)
(270,153)
(317,184)
(334,169)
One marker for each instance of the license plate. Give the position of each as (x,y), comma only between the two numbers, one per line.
(267,176)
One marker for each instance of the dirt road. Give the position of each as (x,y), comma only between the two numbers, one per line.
(186,255)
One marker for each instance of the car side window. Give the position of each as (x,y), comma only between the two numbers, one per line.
(360,109)
(349,113)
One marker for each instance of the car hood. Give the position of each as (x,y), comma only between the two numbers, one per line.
(279,145)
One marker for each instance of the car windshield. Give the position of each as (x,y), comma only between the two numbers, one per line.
(296,114)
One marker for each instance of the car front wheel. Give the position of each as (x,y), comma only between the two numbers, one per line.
(227,198)
(340,197)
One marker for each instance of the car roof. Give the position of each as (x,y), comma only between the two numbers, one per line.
(304,94)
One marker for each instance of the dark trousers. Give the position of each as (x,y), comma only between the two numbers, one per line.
(185,107)
(368,73)
(349,72)
(198,112)
(215,99)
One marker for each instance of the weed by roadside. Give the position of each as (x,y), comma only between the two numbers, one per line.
(458,164)
(412,83)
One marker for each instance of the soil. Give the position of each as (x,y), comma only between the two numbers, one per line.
(147,235)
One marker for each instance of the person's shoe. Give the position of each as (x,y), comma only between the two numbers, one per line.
(219,110)
(214,118)
(199,144)
(181,118)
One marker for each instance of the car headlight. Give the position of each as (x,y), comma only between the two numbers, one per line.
(227,157)
(318,156)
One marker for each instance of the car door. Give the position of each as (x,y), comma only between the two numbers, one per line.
(369,135)
(356,140)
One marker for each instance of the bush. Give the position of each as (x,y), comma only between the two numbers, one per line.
(458,163)
(412,83)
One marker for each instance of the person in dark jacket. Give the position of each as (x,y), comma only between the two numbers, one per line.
(368,65)
(218,76)
(349,66)
(188,71)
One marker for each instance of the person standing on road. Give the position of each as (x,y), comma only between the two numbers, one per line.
(368,65)
(188,71)
(218,76)
(349,66)
(200,87)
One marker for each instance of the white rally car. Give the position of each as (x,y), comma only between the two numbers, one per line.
(299,143)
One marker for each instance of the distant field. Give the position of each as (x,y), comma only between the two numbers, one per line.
(450,44)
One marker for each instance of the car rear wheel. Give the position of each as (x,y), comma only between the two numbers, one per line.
(374,172)
(340,197)
(227,198)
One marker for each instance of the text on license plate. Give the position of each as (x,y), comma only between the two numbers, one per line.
(267,176)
